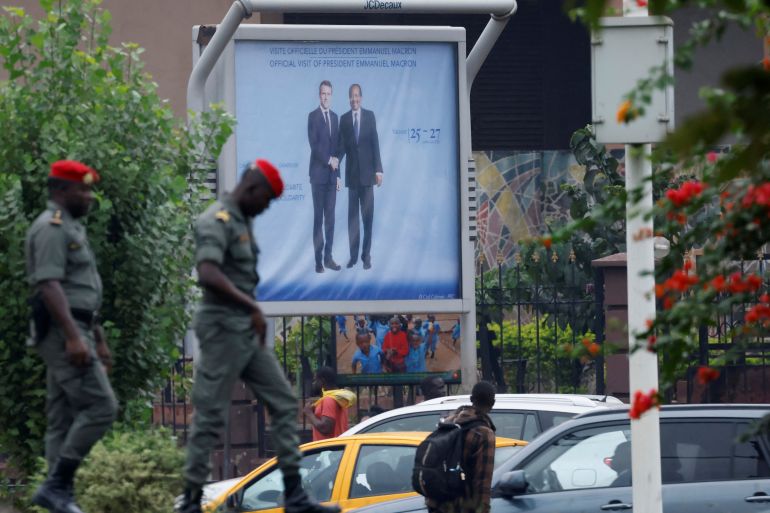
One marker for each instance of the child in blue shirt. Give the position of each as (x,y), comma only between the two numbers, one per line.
(341,326)
(415,359)
(431,330)
(381,328)
(369,356)
(456,333)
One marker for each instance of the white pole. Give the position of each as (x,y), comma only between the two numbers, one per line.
(643,364)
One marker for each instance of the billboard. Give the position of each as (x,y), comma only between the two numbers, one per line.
(367,137)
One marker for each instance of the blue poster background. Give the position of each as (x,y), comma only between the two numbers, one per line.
(412,90)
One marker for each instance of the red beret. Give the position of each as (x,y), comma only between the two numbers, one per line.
(73,171)
(272,174)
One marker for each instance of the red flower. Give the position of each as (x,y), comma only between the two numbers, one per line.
(766,63)
(641,3)
(760,312)
(764,298)
(711,157)
(687,265)
(707,375)
(668,303)
(685,193)
(643,402)
(757,195)
(651,340)
(648,323)
(594,349)
(586,342)
(660,291)
(719,283)
(739,285)
(547,241)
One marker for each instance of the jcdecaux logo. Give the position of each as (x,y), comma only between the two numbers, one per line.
(381,6)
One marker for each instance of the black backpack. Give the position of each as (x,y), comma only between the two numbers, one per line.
(438,472)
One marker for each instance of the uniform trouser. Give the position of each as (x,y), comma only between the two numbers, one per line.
(229,350)
(80,403)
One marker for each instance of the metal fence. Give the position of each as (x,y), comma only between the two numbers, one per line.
(743,358)
(529,328)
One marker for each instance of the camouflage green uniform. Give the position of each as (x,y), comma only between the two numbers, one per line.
(80,403)
(229,347)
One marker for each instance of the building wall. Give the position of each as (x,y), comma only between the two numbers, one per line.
(164,29)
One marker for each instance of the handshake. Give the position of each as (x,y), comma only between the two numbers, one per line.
(334,162)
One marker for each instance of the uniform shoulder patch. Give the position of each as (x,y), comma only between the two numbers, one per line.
(222,215)
(56,218)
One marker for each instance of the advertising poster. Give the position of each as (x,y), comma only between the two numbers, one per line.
(397,349)
(366,137)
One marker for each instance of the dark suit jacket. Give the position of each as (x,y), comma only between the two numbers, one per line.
(322,146)
(363,161)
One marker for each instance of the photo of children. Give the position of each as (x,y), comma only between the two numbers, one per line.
(398,344)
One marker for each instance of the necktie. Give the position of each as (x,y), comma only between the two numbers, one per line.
(355,125)
(328,125)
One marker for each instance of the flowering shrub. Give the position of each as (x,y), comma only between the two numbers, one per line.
(721,212)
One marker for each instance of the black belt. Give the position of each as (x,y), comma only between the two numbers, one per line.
(87,316)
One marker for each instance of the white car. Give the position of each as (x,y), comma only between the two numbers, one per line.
(519,416)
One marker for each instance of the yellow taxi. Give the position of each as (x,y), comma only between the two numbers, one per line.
(352,471)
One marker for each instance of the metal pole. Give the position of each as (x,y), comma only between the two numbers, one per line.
(643,364)
(485,42)
(498,7)
(501,11)
(196,86)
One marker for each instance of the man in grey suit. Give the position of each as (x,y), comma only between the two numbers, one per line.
(358,141)
(322,134)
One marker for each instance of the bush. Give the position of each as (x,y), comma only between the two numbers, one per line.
(129,472)
(561,355)
(69,94)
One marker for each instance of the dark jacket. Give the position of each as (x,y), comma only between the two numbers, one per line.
(322,146)
(478,463)
(363,157)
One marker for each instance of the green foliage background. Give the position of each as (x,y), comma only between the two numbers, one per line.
(71,95)
(555,348)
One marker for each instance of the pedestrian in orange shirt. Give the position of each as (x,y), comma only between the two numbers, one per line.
(328,414)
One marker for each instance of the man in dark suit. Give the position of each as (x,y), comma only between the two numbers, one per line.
(322,134)
(363,169)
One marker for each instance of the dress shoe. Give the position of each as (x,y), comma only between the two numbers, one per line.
(331,264)
(319,268)
(367,264)
(351,263)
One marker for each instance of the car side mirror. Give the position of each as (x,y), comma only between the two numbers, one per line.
(512,483)
(234,500)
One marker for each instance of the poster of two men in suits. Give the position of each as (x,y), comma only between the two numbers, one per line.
(331,139)
(366,137)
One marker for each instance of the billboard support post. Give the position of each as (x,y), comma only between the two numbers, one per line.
(501,11)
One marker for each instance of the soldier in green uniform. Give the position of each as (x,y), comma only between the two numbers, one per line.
(231,332)
(67,294)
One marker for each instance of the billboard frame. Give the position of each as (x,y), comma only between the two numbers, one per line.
(222,88)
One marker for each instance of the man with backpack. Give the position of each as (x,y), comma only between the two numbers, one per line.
(459,480)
